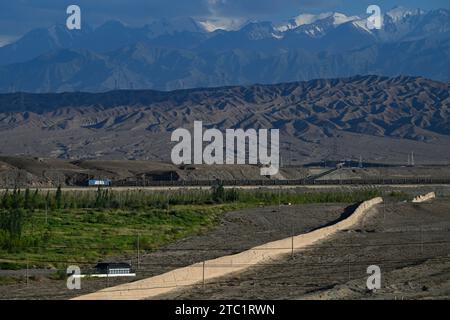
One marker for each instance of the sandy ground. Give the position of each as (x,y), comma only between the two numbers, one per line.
(409,242)
(238,231)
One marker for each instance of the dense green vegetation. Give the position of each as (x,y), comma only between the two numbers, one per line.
(51,228)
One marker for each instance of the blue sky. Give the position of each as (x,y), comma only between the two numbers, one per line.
(20,16)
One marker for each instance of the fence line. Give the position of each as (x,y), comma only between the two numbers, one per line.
(294,182)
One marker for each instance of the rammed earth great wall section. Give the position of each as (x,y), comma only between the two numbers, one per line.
(204,271)
(424,198)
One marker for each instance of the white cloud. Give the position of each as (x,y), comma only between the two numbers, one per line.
(221,23)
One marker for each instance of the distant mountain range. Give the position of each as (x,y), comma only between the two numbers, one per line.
(382,119)
(184,53)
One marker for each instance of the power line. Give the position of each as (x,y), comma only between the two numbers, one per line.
(312,247)
(285,280)
(243,264)
(315,276)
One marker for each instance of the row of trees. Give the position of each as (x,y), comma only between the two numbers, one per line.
(31,200)
(17,206)
(104,198)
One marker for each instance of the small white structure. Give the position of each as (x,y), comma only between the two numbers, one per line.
(113,269)
(108,270)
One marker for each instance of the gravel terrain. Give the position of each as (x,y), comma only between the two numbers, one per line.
(409,242)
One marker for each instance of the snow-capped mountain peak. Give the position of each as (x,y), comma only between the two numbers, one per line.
(302,19)
(362,25)
(399,13)
(228,24)
(314,25)
(339,18)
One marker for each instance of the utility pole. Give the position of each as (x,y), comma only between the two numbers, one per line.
(138,257)
(348,267)
(290,154)
(46,213)
(26,274)
(279,198)
(335,148)
(421,239)
(203,275)
(292,243)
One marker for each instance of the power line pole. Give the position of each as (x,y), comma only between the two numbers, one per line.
(138,257)
(348,267)
(292,244)
(26,274)
(279,198)
(46,212)
(335,149)
(203,275)
(421,239)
